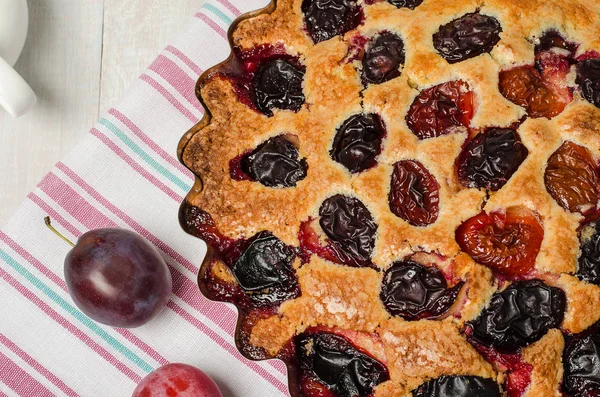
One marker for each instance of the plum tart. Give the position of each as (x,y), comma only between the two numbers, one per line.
(401,197)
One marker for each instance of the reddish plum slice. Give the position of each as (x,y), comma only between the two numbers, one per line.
(415,292)
(330,366)
(350,226)
(278,85)
(329,18)
(506,242)
(491,158)
(357,142)
(572,179)
(520,315)
(383,59)
(467,37)
(414,193)
(542,88)
(526,87)
(275,163)
(458,386)
(441,109)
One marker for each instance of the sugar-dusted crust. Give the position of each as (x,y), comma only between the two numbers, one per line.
(342,297)
(426,349)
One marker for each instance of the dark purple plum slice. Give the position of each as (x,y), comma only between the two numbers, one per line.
(458,386)
(412,4)
(278,85)
(350,227)
(588,78)
(491,158)
(357,142)
(265,271)
(589,256)
(275,163)
(520,315)
(552,39)
(329,18)
(467,37)
(383,58)
(415,292)
(581,363)
(329,365)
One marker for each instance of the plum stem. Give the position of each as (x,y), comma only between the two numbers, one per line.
(49,224)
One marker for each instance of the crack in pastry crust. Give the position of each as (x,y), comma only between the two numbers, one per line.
(331,296)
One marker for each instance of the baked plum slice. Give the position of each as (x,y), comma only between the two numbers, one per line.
(414,193)
(265,272)
(329,365)
(383,58)
(329,18)
(414,291)
(467,37)
(266,78)
(589,253)
(489,159)
(278,85)
(412,4)
(458,386)
(520,315)
(507,242)
(572,179)
(581,364)
(357,142)
(275,163)
(541,88)
(441,109)
(588,78)
(553,39)
(525,86)
(350,228)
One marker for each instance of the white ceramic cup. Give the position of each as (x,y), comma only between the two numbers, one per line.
(15,94)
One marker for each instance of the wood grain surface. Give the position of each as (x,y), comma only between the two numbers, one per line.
(79,58)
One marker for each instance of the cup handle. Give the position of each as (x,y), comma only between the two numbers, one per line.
(15,94)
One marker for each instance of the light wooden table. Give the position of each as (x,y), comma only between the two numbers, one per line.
(79,57)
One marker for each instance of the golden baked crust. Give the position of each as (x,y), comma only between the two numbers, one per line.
(545,357)
(331,296)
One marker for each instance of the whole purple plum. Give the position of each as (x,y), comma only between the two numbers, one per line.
(117,278)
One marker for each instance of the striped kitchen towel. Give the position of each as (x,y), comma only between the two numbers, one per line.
(124,174)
